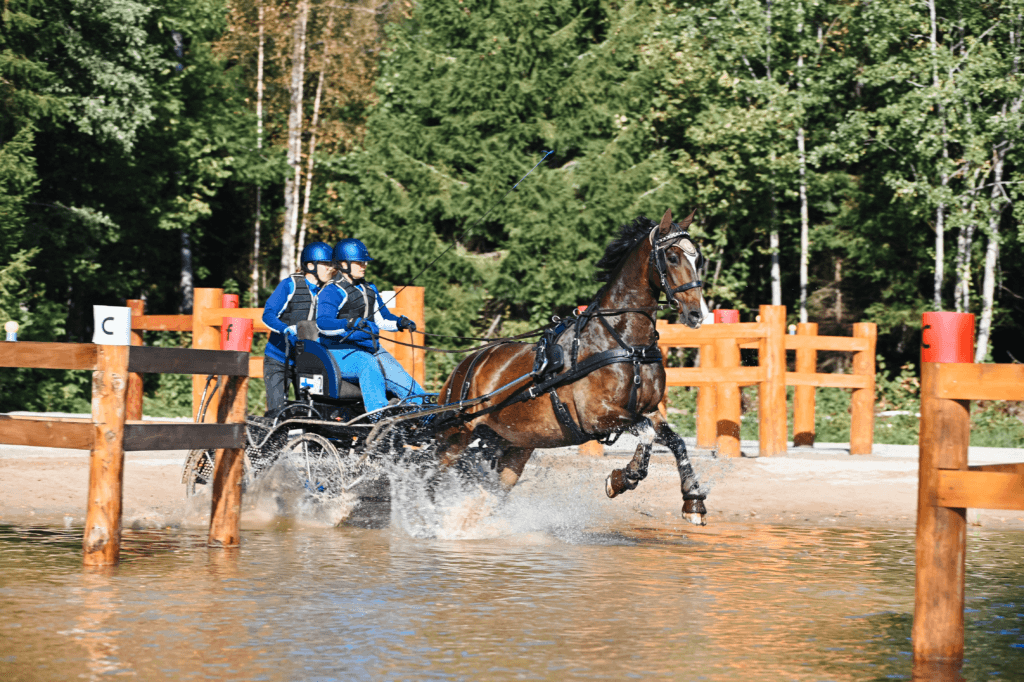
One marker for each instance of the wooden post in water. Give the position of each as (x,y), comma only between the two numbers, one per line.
(938,632)
(207,337)
(707,430)
(772,389)
(862,404)
(803,396)
(727,354)
(102,542)
(226,506)
(133,406)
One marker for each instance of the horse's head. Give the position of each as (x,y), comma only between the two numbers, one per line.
(675,267)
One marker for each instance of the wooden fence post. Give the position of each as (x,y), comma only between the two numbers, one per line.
(408,301)
(772,390)
(207,337)
(862,404)
(727,400)
(803,396)
(133,406)
(707,430)
(226,506)
(102,542)
(938,632)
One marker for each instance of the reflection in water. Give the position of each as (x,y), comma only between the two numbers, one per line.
(573,601)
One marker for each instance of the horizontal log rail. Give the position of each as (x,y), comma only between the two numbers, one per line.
(823,380)
(979,489)
(832,343)
(47,432)
(37,355)
(681,336)
(969,381)
(153,360)
(710,376)
(162,323)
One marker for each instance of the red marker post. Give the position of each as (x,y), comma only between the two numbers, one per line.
(725,316)
(236,334)
(229,301)
(947,337)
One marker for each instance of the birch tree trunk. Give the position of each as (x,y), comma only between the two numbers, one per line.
(988,287)
(186,273)
(940,211)
(962,293)
(802,159)
(254,287)
(292,184)
(773,234)
(313,130)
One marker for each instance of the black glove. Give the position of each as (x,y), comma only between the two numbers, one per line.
(405,323)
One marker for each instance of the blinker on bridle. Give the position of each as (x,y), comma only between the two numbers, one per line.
(658,249)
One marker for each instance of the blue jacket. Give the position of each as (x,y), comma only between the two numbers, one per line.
(276,304)
(335,332)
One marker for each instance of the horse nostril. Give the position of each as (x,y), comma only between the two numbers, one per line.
(695,316)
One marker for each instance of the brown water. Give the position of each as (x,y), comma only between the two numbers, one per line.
(570,600)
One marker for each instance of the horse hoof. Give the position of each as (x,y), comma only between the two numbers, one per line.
(695,519)
(608,489)
(694,511)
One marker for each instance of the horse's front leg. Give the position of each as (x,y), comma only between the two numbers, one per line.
(693,499)
(630,476)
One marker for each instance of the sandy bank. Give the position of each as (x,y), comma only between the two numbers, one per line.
(820,486)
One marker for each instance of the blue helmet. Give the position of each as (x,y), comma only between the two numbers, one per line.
(316,252)
(351,250)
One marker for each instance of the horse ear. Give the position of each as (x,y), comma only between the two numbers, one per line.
(666,223)
(686,221)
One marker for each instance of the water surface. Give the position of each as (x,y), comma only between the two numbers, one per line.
(644,600)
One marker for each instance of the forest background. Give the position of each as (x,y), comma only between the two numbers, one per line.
(853,160)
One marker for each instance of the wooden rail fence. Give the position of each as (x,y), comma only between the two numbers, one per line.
(720,377)
(111,431)
(205,321)
(947,487)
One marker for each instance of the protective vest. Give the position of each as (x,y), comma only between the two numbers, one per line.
(358,302)
(302,305)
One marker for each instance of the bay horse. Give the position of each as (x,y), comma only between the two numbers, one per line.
(617,377)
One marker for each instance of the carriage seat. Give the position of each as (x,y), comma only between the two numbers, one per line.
(317,370)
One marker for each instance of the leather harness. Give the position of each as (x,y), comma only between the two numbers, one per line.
(549,359)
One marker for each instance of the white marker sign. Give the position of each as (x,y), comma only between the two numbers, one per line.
(112,325)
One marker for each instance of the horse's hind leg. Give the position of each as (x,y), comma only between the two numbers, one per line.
(630,476)
(511,464)
(693,499)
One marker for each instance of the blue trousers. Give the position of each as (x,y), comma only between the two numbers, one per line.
(376,373)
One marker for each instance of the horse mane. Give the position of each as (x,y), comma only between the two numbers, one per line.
(630,235)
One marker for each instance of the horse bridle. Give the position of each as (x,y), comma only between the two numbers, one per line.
(658,249)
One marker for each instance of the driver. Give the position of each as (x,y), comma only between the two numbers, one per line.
(350,313)
(293,301)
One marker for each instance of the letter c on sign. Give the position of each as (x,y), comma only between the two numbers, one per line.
(229,329)
(103,326)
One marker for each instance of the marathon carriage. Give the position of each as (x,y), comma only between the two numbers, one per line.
(588,378)
(323,432)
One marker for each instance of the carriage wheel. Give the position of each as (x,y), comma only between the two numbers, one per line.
(319,463)
(198,471)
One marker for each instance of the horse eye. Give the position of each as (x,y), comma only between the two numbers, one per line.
(673,259)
